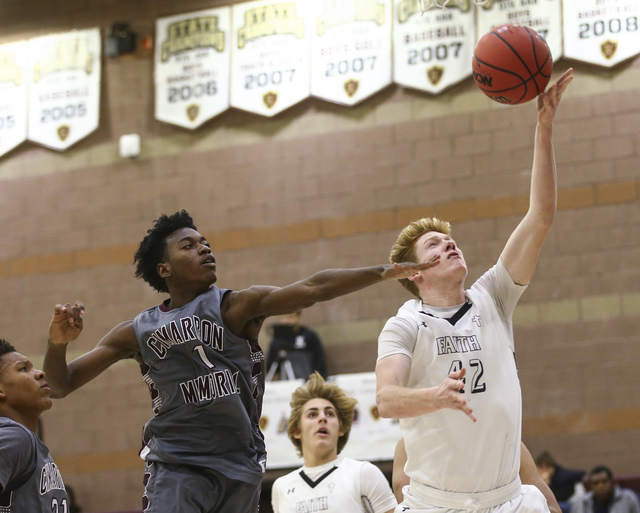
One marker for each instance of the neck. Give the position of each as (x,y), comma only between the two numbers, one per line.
(28,421)
(316,460)
(179,298)
(443,298)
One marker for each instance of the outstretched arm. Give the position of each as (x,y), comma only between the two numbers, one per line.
(244,311)
(66,325)
(520,254)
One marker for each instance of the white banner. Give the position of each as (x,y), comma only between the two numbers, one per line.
(192,64)
(372,438)
(601,32)
(13,95)
(433,51)
(64,87)
(351,49)
(543,16)
(270,55)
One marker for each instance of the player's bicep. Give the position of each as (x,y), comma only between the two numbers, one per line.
(393,370)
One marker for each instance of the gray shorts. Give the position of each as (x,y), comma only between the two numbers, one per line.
(172,488)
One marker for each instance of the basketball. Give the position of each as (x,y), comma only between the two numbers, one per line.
(512,64)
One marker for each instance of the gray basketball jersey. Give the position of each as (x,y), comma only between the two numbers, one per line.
(30,481)
(206,386)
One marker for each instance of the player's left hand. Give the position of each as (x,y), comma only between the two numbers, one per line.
(398,271)
(66,323)
(547,102)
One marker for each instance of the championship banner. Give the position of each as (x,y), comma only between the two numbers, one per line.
(270,55)
(192,63)
(601,32)
(351,49)
(543,16)
(372,438)
(64,87)
(433,51)
(274,421)
(13,95)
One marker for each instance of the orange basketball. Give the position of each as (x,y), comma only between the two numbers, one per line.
(512,64)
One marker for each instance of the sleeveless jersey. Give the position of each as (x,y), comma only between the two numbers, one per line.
(29,479)
(206,386)
(343,485)
(446,449)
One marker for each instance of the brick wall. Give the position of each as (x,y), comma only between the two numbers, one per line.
(328,186)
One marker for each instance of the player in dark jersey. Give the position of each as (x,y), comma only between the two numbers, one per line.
(199,354)
(29,479)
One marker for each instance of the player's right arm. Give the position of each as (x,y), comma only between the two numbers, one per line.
(66,325)
(395,400)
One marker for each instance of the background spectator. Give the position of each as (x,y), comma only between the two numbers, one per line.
(562,481)
(605,496)
(296,351)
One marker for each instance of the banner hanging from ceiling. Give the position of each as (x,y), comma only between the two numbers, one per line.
(270,56)
(13,95)
(64,87)
(543,16)
(350,49)
(192,64)
(433,50)
(601,32)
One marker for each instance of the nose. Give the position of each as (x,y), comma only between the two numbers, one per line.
(450,245)
(39,373)
(204,249)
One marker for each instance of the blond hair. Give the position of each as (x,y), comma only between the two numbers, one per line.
(315,388)
(403,250)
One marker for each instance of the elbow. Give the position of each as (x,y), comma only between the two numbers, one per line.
(385,407)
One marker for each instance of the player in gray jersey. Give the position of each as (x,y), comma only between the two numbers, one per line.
(199,354)
(446,365)
(29,479)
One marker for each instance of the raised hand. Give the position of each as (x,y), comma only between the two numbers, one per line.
(398,271)
(547,102)
(66,323)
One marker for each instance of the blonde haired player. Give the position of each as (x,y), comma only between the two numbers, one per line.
(319,427)
(446,365)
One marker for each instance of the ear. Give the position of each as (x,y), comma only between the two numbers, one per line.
(297,435)
(164,269)
(414,277)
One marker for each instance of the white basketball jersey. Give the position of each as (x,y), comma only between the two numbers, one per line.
(446,449)
(343,485)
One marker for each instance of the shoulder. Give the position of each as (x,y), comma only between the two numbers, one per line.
(17,433)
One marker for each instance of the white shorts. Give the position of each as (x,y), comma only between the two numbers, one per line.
(528,500)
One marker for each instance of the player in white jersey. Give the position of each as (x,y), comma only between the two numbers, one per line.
(450,353)
(319,427)
(529,475)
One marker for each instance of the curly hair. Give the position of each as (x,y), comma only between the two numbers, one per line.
(403,250)
(151,250)
(315,388)
(5,348)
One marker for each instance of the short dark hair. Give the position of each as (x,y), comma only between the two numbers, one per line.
(545,457)
(5,348)
(598,469)
(151,251)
